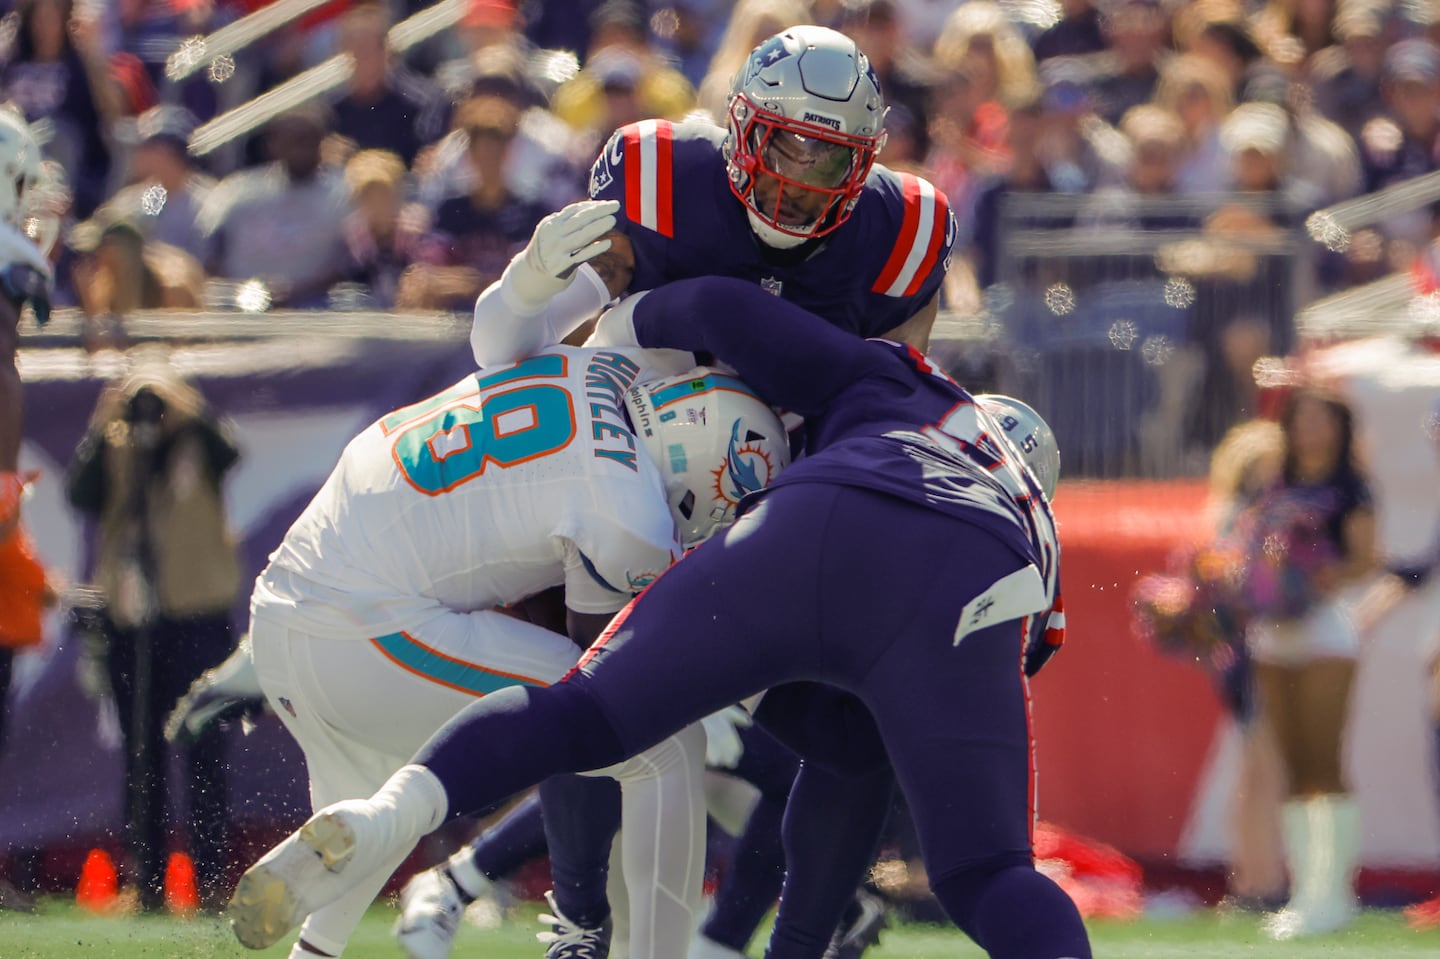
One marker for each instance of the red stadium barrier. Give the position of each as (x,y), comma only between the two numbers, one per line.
(1122,732)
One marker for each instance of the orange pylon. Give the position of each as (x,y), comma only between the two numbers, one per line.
(180,894)
(99,886)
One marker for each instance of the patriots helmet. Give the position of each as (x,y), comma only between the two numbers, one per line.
(713,440)
(1029,434)
(805,120)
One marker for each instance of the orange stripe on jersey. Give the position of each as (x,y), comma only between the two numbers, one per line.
(649,175)
(918,244)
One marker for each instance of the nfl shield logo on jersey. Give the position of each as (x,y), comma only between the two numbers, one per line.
(771,285)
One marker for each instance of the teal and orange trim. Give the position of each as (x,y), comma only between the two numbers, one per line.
(430,664)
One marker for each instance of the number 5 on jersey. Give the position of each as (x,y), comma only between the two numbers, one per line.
(451,438)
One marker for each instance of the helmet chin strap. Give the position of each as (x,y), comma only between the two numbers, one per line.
(770,236)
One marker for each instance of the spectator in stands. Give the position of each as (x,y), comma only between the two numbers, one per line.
(282,223)
(1077,33)
(376,232)
(1136,32)
(1292,32)
(1157,139)
(1220,33)
(117,271)
(985,67)
(542,165)
(874,25)
(474,236)
(1199,93)
(58,72)
(166,191)
(151,470)
(623,79)
(383,106)
(1345,76)
(1309,538)
(750,23)
(1245,464)
(1402,142)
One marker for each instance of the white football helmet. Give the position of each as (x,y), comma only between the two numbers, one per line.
(805,110)
(1029,434)
(714,441)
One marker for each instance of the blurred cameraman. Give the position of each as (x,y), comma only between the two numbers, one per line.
(150,470)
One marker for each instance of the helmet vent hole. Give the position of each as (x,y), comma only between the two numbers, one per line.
(687,504)
(751,436)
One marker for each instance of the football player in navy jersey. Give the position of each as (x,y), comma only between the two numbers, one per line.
(786,196)
(936,641)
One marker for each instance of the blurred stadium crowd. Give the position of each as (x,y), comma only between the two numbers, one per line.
(1140,158)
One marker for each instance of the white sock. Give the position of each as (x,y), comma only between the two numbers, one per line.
(416,798)
(467,875)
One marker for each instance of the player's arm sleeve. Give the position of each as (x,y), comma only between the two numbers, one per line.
(504,332)
(791,357)
(608,559)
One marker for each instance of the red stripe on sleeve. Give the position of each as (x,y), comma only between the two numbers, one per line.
(937,243)
(633,173)
(906,239)
(664,180)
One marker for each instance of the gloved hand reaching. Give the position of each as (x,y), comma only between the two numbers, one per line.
(723,746)
(561,242)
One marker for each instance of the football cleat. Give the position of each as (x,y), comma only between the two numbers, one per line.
(431,908)
(861,930)
(566,940)
(301,874)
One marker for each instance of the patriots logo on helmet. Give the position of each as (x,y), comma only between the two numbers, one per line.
(746,468)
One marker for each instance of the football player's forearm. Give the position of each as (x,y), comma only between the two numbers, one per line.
(504,332)
(789,356)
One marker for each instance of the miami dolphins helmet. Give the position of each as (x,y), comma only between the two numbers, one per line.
(714,441)
(806,119)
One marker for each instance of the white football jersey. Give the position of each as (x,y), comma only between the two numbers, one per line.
(516,479)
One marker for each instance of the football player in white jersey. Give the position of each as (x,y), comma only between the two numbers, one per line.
(24,278)
(375,620)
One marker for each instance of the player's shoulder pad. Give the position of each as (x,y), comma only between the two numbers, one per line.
(920,225)
(641,163)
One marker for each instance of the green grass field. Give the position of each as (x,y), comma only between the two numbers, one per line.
(59,931)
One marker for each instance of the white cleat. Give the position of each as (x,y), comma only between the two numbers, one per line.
(430,912)
(301,874)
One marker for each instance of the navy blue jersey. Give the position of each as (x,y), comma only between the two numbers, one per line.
(869,276)
(877,414)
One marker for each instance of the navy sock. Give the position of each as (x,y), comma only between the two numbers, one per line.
(582,814)
(821,874)
(1014,912)
(516,839)
(752,883)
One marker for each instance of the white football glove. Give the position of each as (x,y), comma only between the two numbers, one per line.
(231,687)
(561,242)
(723,747)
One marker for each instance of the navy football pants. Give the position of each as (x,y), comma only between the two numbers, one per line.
(824,585)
